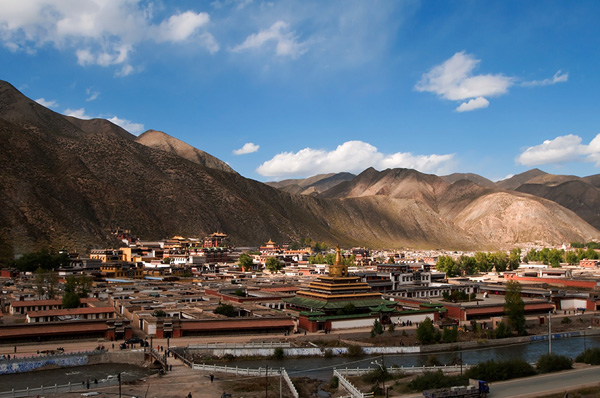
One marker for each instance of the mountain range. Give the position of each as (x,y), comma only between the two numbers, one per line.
(68,182)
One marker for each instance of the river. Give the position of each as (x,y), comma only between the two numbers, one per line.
(321,368)
(317,368)
(104,373)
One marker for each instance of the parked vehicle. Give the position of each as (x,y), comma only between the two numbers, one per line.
(476,388)
(134,340)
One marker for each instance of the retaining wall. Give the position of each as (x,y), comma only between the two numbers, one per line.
(23,365)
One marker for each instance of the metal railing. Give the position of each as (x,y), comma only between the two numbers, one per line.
(287,379)
(405,369)
(240,346)
(55,389)
(354,392)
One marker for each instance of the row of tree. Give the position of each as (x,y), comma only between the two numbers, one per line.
(480,262)
(554,257)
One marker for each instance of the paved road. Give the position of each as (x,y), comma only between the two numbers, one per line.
(546,384)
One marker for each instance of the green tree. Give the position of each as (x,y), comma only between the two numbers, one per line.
(427,333)
(71,300)
(554,257)
(225,309)
(329,258)
(159,313)
(591,254)
(46,283)
(245,262)
(450,335)
(515,307)
(44,259)
(571,258)
(318,259)
(377,328)
(273,264)
(499,260)
(467,265)
(448,265)
(481,262)
(514,258)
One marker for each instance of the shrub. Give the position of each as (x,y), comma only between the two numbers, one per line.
(355,351)
(278,353)
(566,320)
(431,380)
(502,331)
(335,382)
(553,363)
(590,356)
(376,375)
(328,353)
(503,370)
(432,360)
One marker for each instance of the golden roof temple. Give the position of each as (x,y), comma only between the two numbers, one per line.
(334,294)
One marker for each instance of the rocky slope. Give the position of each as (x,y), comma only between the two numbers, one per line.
(164,142)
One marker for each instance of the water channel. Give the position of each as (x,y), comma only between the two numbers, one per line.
(321,368)
(316,368)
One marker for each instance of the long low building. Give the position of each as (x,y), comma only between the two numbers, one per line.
(203,327)
(71,314)
(26,306)
(111,329)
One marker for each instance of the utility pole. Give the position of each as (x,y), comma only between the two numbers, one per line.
(119,377)
(549,332)
(280,383)
(267,381)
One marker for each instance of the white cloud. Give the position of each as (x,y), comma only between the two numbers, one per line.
(46,103)
(285,41)
(92,95)
(558,77)
(248,147)
(133,128)
(101,33)
(566,148)
(181,26)
(475,103)
(78,113)
(351,156)
(454,80)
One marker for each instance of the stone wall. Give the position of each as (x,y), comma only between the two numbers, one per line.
(23,365)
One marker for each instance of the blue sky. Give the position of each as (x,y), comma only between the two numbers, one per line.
(296,88)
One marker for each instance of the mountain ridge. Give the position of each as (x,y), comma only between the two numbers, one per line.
(68,182)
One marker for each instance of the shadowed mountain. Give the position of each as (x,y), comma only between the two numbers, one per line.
(477,179)
(519,179)
(68,182)
(576,195)
(593,180)
(313,185)
(164,142)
